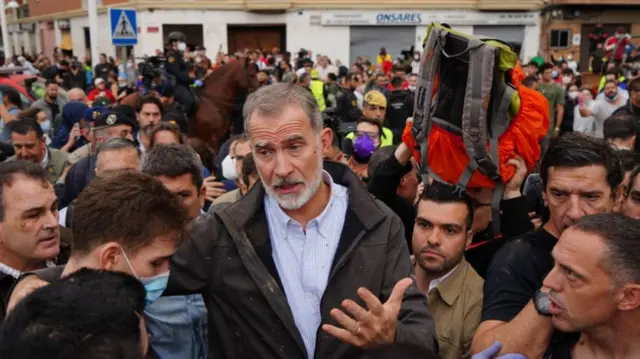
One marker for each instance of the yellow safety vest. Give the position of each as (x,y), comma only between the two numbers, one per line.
(317,89)
(386,140)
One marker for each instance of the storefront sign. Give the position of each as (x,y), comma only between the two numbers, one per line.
(64,24)
(425,18)
(406,18)
(11,28)
(28,27)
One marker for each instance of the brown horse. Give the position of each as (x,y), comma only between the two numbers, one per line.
(221,90)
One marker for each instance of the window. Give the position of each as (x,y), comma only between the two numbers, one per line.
(559,39)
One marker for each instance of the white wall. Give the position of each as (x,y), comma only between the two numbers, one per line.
(531,43)
(214,26)
(332,41)
(104,35)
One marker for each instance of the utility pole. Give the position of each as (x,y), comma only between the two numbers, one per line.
(92,9)
(6,42)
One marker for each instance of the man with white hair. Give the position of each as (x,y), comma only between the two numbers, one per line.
(29,68)
(307,264)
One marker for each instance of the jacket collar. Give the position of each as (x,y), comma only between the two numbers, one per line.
(247,224)
(251,204)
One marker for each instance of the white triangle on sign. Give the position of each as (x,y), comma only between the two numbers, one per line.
(123,29)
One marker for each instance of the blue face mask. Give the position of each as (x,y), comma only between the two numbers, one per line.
(154,286)
(46,126)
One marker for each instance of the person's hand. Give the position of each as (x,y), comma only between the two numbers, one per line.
(373,328)
(75,133)
(556,132)
(512,188)
(24,287)
(213,188)
(198,83)
(492,351)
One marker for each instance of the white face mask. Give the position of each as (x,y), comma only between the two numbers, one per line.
(182,46)
(229,168)
(412,87)
(573,94)
(569,58)
(566,80)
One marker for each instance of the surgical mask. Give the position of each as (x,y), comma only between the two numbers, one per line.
(566,80)
(154,286)
(569,58)
(554,74)
(417,58)
(122,84)
(363,148)
(573,94)
(198,60)
(413,87)
(611,96)
(560,58)
(46,126)
(229,168)
(182,46)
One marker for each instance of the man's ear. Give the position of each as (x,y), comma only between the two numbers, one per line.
(469,238)
(326,138)
(109,256)
(629,297)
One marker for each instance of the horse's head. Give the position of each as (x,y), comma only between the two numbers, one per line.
(249,70)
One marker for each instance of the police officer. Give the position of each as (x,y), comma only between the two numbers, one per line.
(399,108)
(177,67)
(347,107)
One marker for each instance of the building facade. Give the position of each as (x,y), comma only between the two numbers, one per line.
(339,29)
(566,25)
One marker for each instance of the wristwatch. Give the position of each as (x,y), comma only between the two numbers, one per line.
(541,302)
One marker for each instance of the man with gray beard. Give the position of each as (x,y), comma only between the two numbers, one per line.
(307,264)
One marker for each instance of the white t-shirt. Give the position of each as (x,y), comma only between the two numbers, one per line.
(602,110)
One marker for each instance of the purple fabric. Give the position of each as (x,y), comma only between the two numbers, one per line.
(364,146)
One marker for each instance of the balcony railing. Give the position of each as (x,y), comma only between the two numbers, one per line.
(595,2)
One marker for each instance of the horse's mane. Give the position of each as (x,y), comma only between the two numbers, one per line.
(222,72)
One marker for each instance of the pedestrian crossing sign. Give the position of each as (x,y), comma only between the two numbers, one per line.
(124,27)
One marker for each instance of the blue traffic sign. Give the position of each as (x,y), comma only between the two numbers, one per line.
(124,27)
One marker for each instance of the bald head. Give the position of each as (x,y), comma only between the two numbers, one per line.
(76,94)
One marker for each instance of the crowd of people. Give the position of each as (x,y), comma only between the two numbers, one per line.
(311,235)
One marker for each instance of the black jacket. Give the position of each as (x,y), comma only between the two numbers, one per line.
(347,108)
(228,259)
(71,80)
(177,67)
(399,108)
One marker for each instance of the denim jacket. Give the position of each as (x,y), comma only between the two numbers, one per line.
(178,327)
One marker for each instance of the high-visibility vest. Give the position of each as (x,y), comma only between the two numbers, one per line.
(317,89)
(386,140)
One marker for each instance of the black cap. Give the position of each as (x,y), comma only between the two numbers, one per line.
(102,101)
(111,118)
(126,110)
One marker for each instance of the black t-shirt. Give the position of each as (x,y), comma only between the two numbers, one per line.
(561,346)
(515,274)
(55,109)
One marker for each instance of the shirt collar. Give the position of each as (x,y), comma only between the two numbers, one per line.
(8,270)
(449,286)
(436,282)
(283,219)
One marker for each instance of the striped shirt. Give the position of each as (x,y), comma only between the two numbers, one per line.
(304,259)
